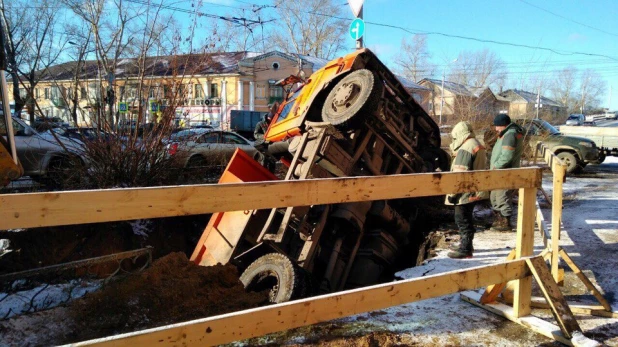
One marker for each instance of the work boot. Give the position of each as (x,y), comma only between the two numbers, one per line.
(456,247)
(459,254)
(502,224)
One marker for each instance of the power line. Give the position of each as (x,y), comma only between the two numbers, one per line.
(568,19)
(415,31)
(243,21)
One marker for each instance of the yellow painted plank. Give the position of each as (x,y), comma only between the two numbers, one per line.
(78,207)
(261,321)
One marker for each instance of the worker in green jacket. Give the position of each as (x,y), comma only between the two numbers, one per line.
(506,154)
(469,155)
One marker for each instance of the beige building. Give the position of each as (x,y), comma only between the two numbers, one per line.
(524,104)
(457,102)
(204,88)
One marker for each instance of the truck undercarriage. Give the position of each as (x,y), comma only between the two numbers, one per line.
(355,122)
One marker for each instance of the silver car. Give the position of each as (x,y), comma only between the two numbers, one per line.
(43,156)
(575,119)
(209,148)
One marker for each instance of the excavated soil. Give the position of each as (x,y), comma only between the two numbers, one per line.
(172,290)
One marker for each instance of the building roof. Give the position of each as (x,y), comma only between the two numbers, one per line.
(313,62)
(455,88)
(409,84)
(157,66)
(522,96)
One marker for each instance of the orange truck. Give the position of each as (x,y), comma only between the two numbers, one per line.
(350,118)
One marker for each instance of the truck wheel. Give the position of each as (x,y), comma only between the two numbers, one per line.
(571,162)
(352,98)
(274,272)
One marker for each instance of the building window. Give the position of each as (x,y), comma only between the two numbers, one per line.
(214,90)
(276,91)
(430,106)
(23,93)
(37,93)
(152,92)
(198,92)
(83,93)
(260,91)
(47,94)
(166,91)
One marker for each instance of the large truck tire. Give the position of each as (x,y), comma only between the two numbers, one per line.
(355,96)
(274,272)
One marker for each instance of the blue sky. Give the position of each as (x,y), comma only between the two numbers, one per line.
(511,21)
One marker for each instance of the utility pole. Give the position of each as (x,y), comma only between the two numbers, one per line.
(538,102)
(442,97)
(359,42)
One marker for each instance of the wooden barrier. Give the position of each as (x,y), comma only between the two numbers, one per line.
(261,321)
(94,206)
(76,207)
(553,253)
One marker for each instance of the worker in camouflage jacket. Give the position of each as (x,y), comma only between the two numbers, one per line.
(469,155)
(506,154)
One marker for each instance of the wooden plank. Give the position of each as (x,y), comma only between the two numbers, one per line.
(591,310)
(264,320)
(540,223)
(559,171)
(597,294)
(559,307)
(493,291)
(93,206)
(524,248)
(533,323)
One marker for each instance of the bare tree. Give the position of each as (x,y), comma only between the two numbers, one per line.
(591,87)
(30,44)
(478,69)
(414,58)
(564,87)
(309,27)
(235,36)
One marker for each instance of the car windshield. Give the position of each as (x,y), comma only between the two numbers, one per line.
(288,106)
(573,117)
(546,127)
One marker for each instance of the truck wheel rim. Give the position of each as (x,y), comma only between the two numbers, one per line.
(345,96)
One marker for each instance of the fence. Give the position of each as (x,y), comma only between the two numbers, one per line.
(46,209)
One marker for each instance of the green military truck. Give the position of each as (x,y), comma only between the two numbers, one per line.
(575,151)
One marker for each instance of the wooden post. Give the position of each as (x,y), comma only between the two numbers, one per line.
(559,172)
(524,248)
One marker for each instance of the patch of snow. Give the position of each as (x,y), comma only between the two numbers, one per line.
(43,297)
(141,227)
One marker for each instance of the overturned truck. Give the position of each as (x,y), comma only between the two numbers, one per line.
(350,118)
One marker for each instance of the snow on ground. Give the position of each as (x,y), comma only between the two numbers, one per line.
(590,236)
(43,297)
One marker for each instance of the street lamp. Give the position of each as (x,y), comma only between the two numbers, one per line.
(442,93)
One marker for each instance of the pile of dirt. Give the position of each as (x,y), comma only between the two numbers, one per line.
(172,290)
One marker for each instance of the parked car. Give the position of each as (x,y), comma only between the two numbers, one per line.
(45,157)
(44,123)
(211,149)
(575,119)
(186,134)
(611,115)
(83,134)
(201,126)
(576,152)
